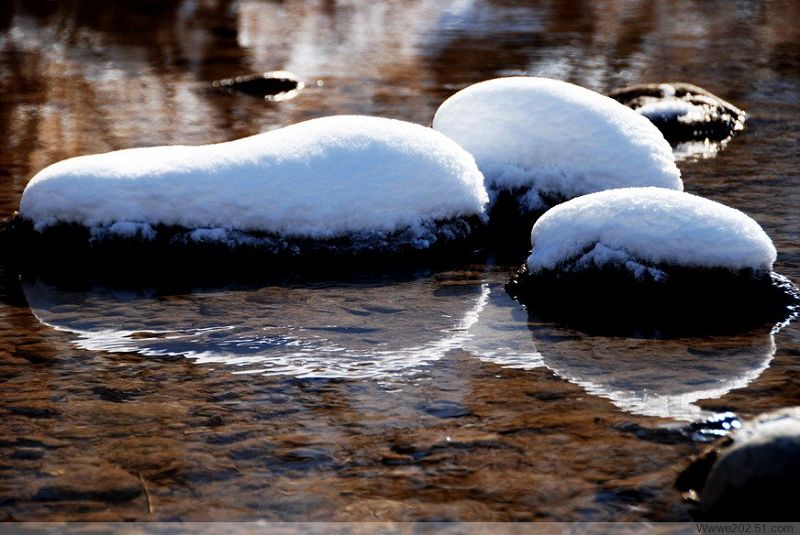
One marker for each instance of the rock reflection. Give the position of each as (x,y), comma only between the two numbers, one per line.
(655,377)
(645,376)
(391,330)
(500,333)
(332,329)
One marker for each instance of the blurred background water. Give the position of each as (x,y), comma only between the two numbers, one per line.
(427,396)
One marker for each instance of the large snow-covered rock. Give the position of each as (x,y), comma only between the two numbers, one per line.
(544,141)
(323,179)
(657,253)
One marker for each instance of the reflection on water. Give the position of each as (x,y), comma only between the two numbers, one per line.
(651,377)
(697,150)
(316,330)
(480,422)
(656,377)
(388,331)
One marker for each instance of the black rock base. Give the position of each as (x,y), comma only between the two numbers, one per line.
(508,233)
(69,250)
(691,301)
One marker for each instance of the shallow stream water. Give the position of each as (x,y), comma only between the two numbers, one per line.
(426,395)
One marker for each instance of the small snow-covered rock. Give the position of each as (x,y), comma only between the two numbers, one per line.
(643,229)
(754,475)
(544,141)
(683,112)
(651,252)
(362,182)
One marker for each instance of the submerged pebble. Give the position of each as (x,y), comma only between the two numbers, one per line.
(683,112)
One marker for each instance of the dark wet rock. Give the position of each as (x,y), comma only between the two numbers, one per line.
(34,442)
(88,481)
(705,430)
(27,454)
(683,112)
(445,409)
(238,254)
(690,301)
(115,395)
(273,85)
(301,459)
(511,219)
(751,475)
(34,409)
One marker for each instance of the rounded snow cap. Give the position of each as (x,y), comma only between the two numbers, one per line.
(318,179)
(642,229)
(555,139)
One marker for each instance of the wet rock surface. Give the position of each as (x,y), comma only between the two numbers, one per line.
(235,253)
(751,475)
(699,301)
(273,85)
(683,112)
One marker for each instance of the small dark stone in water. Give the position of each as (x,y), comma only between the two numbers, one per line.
(114,395)
(27,454)
(611,301)
(445,409)
(665,105)
(273,85)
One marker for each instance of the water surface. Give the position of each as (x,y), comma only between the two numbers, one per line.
(423,396)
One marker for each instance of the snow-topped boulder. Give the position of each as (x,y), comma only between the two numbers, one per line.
(338,183)
(653,251)
(540,141)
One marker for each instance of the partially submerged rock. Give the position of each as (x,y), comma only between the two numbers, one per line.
(655,258)
(539,142)
(273,85)
(339,185)
(751,475)
(683,112)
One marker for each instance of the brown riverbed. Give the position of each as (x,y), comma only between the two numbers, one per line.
(411,396)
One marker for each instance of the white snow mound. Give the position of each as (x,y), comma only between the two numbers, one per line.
(641,228)
(556,138)
(319,179)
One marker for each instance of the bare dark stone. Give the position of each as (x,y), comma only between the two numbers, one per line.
(273,85)
(445,409)
(611,301)
(27,454)
(751,475)
(101,482)
(171,254)
(721,119)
